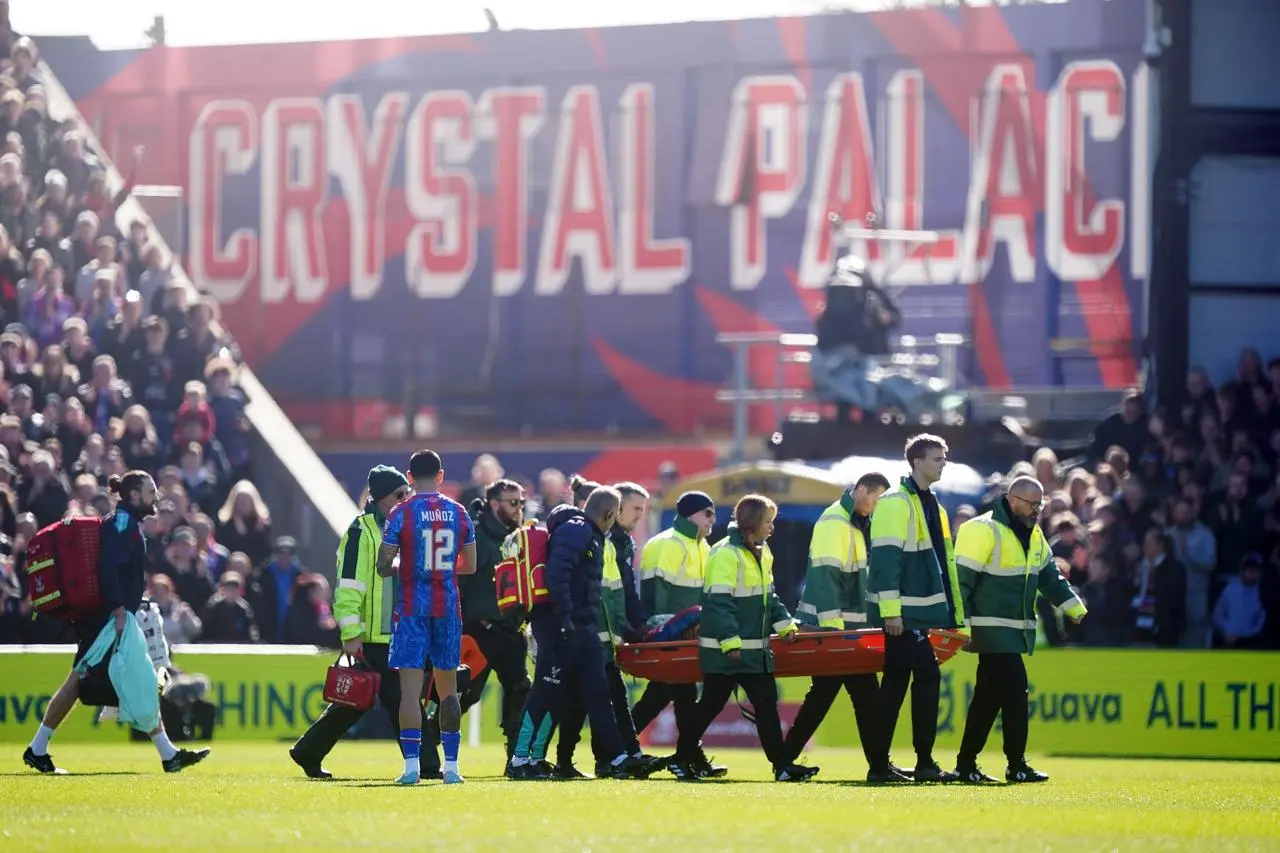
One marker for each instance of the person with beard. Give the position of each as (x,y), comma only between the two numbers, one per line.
(121,564)
(498,636)
(835,599)
(1003,562)
(621,621)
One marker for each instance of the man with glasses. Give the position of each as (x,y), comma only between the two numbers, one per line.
(1004,561)
(498,637)
(362,606)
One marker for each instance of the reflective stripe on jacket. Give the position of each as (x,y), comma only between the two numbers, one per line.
(363,602)
(999,581)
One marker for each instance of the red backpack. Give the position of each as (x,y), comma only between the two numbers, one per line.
(518,579)
(62,567)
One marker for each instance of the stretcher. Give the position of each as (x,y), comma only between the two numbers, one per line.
(812,654)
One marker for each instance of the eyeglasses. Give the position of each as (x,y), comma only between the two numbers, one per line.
(1036,505)
(514,503)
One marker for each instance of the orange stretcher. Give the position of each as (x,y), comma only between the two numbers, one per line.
(813,653)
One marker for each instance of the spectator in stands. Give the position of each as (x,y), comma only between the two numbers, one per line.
(1196,549)
(105,396)
(244,523)
(181,624)
(228,617)
(1240,617)
(484,471)
(309,618)
(45,494)
(191,578)
(153,378)
(231,426)
(1161,592)
(197,479)
(271,588)
(214,555)
(1126,429)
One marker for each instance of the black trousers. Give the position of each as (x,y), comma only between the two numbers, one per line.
(762,693)
(505,648)
(574,714)
(571,663)
(1000,688)
(333,723)
(863,693)
(908,660)
(657,696)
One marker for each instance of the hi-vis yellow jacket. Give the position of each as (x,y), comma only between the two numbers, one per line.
(999,582)
(364,602)
(835,594)
(906,578)
(672,567)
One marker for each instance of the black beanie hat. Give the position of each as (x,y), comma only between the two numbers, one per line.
(691,503)
(383,480)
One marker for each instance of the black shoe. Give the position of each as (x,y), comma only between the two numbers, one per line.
(431,773)
(683,769)
(909,772)
(973,775)
(706,769)
(1025,773)
(312,769)
(632,767)
(931,772)
(43,763)
(184,759)
(534,771)
(886,776)
(566,772)
(794,773)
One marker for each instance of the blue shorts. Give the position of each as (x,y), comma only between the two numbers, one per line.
(421,642)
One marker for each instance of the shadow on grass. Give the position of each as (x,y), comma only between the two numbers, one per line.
(73,773)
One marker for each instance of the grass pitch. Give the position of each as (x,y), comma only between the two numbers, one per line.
(249,796)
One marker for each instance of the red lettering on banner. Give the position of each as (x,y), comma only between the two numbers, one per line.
(763,169)
(579,220)
(441,251)
(912,264)
(223,143)
(844,180)
(1083,236)
(648,265)
(362,160)
(294,187)
(1003,188)
(510,118)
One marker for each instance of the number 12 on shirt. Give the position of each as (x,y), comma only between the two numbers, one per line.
(438,552)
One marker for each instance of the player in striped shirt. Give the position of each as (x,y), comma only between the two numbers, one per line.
(435,540)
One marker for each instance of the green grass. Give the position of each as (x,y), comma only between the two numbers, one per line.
(249,796)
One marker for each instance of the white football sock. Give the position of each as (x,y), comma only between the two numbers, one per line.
(163,745)
(40,743)
(412,765)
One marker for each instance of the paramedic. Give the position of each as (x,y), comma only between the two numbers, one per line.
(122,558)
(363,610)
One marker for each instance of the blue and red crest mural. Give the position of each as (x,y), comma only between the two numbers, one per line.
(547,230)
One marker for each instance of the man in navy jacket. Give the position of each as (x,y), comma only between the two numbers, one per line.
(570,656)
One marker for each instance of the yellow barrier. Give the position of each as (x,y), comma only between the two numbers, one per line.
(1204,704)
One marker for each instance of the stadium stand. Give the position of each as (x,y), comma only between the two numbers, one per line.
(107,363)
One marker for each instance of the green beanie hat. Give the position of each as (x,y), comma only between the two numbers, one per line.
(384,480)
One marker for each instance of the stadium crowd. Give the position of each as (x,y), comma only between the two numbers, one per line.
(1169,526)
(106,364)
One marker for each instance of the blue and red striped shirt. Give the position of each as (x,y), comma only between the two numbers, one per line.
(430,530)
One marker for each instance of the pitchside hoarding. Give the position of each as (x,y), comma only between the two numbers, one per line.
(1201,704)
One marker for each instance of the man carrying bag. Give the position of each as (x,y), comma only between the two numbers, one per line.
(363,607)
